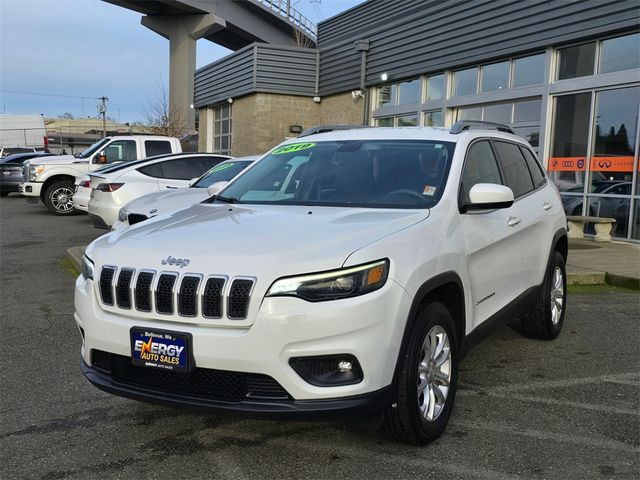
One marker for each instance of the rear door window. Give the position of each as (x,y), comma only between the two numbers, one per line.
(514,167)
(186,168)
(156,147)
(537,174)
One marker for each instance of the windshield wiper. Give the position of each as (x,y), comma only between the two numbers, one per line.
(224,199)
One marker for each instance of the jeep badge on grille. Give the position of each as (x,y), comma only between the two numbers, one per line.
(181,262)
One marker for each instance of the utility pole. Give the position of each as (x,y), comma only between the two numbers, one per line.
(102,110)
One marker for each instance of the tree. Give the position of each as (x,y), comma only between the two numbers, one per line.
(161,117)
(66,116)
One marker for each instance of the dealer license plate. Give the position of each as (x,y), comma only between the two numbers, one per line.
(161,349)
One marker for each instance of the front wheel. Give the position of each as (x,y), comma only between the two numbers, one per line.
(59,198)
(427,377)
(545,319)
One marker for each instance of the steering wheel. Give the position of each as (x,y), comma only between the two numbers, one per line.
(412,194)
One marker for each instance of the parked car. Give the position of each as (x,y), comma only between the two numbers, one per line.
(599,207)
(358,291)
(52,180)
(158,203)
(11,171)
(9,151)
(112,188)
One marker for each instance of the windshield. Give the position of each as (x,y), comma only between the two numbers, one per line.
(357,173)
(93,148)
(223,172)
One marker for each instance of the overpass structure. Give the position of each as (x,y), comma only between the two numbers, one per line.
(234,24)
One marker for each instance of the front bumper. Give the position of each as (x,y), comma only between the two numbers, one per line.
(31,189)
(8,184)
(359,405)
(369,327)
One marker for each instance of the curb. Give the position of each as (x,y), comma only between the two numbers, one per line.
(623,281)
(75,254)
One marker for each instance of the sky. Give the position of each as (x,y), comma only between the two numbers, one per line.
(54,51)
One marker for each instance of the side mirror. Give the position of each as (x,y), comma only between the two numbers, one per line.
(193,180)
(216,187)
(489,196)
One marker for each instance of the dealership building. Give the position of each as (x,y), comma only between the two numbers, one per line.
(563,74)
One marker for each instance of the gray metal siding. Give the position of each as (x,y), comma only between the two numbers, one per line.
(287,70)
(229,77)
(411,37)
(257,68)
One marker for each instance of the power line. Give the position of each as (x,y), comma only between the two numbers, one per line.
(22,92)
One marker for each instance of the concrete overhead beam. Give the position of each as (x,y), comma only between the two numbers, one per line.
(182,31)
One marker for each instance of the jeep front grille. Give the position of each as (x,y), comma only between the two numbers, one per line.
(168,293)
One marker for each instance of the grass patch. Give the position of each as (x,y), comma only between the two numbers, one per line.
(591,289)
(66,265)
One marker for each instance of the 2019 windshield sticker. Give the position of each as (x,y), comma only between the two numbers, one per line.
(222,166)
(295,147)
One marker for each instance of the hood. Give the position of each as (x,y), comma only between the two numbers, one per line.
(162,202)
(260,241)
(57,160)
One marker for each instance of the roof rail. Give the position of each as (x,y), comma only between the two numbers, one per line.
(329,128)
(463,125)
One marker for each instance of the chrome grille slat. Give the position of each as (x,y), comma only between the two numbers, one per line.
(106,284)
(239,295)
(142,291)
(212,297)
(123,288)
(188,296)
(164,293)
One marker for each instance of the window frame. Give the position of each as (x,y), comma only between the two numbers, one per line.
(517,144)
(461,205)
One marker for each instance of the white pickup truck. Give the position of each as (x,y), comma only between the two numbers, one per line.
(51,179)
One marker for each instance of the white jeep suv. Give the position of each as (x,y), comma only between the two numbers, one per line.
(356,289)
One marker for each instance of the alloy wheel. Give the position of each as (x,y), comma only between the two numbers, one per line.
(62,199)
(557,295)
(434,373)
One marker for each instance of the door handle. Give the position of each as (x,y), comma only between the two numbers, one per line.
(513,221)
(169,186)
(547,205)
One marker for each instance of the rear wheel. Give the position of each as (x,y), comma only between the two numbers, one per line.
(59,198)
(426,386)
(545,319)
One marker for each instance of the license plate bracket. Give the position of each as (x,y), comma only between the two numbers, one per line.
(161,349)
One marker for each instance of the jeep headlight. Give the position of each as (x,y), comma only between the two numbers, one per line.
(335,284)
(122,215)
(87,268)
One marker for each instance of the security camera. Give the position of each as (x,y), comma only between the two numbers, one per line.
(229,100)
(356,94)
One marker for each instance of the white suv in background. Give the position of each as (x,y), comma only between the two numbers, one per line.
(357,289)
(113,187)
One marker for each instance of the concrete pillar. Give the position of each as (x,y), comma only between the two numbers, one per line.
(182,31)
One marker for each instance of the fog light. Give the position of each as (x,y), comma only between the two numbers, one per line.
(344,366)
(328,370)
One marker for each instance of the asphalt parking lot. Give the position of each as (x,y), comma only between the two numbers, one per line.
(525,409)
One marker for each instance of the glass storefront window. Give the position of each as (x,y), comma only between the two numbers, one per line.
(576,61)
(470,113)
(384,122)
(433,119)
(495,77)
(530,134)
(387,96)
(617,208)
(498,112)
(621,53)
(570,141)
(435,87)
(408,120)
(409,92)
(635,230)
(527,111)
(528,71)
(465,82)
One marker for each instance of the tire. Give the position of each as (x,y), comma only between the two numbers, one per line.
(544,321)
(4,194)
(404,420)
(59,198)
